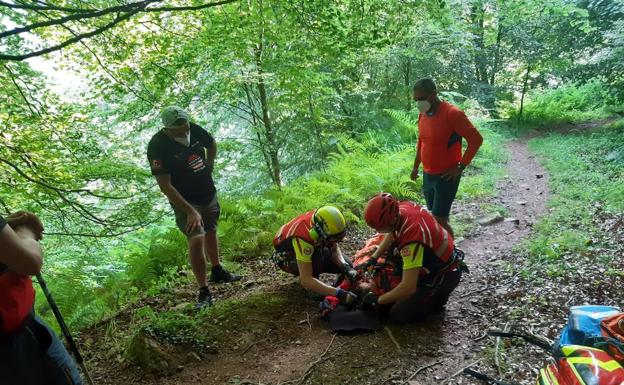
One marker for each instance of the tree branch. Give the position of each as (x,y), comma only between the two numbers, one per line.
(44,7)
(73,40)
(80,16)
(189,8)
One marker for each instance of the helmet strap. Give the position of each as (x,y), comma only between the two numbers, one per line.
(314,233)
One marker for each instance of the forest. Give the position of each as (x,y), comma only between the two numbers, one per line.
(311,103)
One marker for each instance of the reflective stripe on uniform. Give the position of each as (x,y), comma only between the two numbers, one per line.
(543,378)
(551,375)
(444,245)
(569,350)
(609,366)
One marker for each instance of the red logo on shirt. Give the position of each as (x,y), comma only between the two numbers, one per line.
(195,162)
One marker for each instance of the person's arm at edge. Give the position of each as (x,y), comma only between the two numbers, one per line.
(467,130)
(20,252)
(417,160)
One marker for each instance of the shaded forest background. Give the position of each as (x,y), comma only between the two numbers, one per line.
(309,101)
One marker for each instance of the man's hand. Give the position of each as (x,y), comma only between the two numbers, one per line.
(414,174)
(452,173)
(193,222)
(26,224)
(346,298)
(370,301)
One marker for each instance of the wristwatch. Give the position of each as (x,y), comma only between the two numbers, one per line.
(461,166)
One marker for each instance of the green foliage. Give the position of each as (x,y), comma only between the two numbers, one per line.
(583,183)
(204,331)
(568,103)
(152,254)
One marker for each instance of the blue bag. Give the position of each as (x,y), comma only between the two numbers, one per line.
(583,326)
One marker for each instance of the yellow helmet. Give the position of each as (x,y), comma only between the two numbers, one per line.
(329,223)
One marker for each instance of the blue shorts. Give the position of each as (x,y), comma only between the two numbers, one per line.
(35,356)
(439,194)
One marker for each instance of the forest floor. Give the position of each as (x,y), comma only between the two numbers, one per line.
(278,338)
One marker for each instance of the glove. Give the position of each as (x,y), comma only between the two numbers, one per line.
(26,219)
(346,298)
(369,302)
(349,272)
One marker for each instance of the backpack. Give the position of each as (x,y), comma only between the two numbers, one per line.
(594,326)
(582,365)
(613,330)
(17,297)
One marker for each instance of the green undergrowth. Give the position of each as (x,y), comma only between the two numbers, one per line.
(210,328)
(586,181)
(229,324)
(570,103)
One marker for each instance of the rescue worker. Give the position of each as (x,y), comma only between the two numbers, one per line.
(30,352)
(308,246)
(432,266)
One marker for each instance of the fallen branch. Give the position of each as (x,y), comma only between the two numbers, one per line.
(308,370)
(496,360)
(307,320)
(460,371)
(408,379)
(396,343)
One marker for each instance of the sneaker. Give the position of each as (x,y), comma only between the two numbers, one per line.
(204,298)
(219,275)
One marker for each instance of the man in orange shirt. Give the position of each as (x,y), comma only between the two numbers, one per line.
(441,127)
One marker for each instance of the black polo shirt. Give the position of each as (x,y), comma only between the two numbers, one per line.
(188,166)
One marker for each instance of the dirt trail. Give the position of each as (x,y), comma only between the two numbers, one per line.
(287,349)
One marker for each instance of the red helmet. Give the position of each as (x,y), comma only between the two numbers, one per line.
(381,211)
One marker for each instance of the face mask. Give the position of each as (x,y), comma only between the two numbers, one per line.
(423,106)
(185,140)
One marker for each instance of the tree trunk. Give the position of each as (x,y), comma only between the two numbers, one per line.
(480,59)
(524,87)
(407,74)
(496,64)
(256,124)
(266,120)
(318,131)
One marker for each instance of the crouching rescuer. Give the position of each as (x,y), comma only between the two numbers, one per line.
(308,246)
(432,266)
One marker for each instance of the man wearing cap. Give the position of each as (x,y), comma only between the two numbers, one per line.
(181,157)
